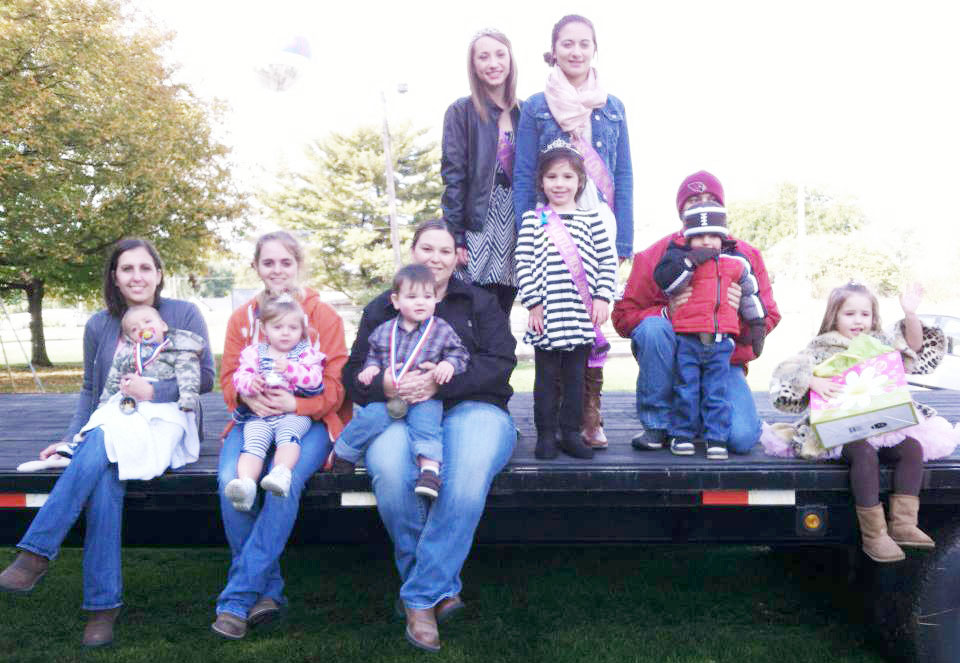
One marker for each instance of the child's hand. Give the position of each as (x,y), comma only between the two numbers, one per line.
(280,365)
(601,312)
(703,254)
(535,324)
(258,384)
(910,298)
(365,377)
(443,372)
(826,387)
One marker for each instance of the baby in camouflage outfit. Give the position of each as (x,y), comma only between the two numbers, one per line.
(149,348)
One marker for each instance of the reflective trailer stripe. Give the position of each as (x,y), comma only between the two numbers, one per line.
(773,497)
(36,500)
(749,497)
(358,499)
(22,500)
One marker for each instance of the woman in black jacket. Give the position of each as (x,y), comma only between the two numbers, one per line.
(431,542)
(477,166)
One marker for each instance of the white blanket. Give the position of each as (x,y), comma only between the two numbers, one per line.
(145,443)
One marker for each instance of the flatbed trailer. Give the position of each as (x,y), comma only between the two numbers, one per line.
(620,496)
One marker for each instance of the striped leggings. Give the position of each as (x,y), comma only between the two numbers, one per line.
(285,429)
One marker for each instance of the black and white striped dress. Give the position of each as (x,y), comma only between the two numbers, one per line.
(491,248)
(543,278)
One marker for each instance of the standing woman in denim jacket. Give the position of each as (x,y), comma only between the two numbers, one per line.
(575,108)
(477,167)
(133,276)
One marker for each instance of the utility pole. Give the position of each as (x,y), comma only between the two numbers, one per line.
(388,174)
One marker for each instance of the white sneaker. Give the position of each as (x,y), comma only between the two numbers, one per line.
(278,481)
(241,493)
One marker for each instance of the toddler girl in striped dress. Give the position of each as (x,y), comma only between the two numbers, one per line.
(566,272)
(285,360)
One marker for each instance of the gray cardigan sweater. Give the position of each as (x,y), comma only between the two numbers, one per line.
(101,335)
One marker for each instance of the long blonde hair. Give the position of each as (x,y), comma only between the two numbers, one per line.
(477,90)
(836,300)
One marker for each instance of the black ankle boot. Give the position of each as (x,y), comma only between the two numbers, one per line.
(546,448)
(571,443)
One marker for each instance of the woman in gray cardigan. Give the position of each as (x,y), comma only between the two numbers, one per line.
(133,275)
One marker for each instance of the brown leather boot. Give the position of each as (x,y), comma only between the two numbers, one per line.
(877,544)
(24,572)
(99,629)
(422,629)
(593,433)
(903,522)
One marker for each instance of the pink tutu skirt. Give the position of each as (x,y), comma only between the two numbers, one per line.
(936,436)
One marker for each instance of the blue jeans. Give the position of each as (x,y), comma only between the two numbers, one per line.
(700,388)
(654,346)
(431,541)
(257,537)
(423,430)
(90,481)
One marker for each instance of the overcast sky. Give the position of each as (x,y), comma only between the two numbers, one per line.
(855,97)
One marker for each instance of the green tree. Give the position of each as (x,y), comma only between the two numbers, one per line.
(765,222)
(340,201)
(97,143)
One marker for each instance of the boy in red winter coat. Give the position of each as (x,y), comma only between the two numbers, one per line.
(707,261)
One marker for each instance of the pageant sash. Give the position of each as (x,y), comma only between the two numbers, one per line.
(560,236)
(505,152)
(596,169)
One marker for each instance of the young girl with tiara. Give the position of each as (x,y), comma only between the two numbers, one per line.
(852,310)
(566,271)
(286,359)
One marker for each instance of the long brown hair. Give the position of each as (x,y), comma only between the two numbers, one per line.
(114,300)
(477,90)
(840,295)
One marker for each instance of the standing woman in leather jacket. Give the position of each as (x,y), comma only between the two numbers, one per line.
(477,167)
(576,108)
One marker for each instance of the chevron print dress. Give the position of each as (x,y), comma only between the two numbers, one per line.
(491,248)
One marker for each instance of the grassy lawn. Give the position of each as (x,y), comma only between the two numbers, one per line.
(690,604)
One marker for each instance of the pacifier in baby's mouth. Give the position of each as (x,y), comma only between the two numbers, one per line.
(146,335)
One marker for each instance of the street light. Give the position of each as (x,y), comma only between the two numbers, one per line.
(388,173)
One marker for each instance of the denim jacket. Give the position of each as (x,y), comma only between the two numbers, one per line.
(609,135)
(468,164)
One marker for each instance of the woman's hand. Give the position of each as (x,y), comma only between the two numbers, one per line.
(280,399)
(418,386)
(601,312)
(910,299)
(535,323)
(462,256)
(261,404)
(826,387)
(136,386)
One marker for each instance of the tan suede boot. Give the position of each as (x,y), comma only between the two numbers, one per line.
(877,544)
(593,433)
(903,522)
(99,629)
(24,573)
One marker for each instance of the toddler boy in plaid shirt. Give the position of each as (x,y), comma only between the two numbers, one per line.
(418,340)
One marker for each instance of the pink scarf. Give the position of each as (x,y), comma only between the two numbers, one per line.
(570,106)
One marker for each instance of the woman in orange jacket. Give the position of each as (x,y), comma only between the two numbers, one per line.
(254,591)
